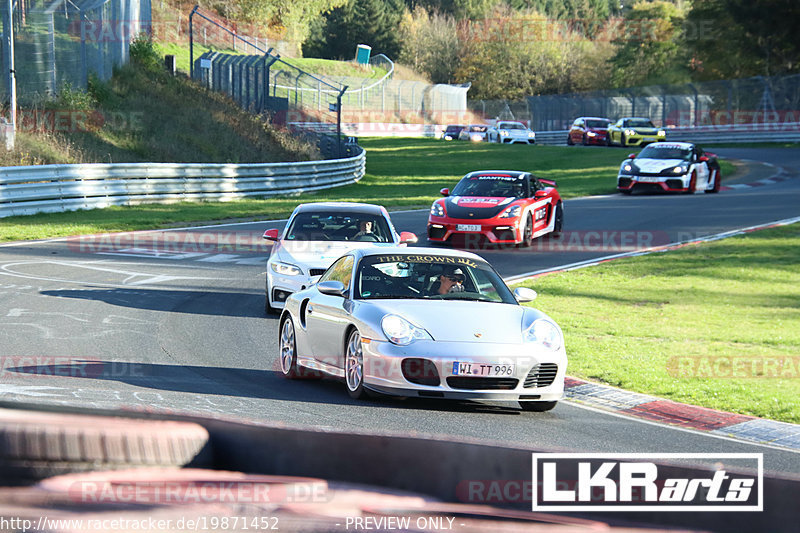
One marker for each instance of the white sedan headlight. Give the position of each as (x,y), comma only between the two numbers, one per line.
(286,269)
(402,332)
(531,135)
(544,332)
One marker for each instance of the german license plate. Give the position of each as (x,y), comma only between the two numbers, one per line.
(468,227)
(482,369)
(648,179)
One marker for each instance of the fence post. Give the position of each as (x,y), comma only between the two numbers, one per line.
(191,42)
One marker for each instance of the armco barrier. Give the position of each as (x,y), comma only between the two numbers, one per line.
(729,133)
(53,188)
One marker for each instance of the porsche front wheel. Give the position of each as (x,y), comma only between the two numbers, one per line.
(558,226)
(527,232)
(717,179)
(692,183)
(354,366)
(288,349)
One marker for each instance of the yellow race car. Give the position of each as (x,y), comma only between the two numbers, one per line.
(633,131)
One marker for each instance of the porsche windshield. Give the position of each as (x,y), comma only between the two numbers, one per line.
(666,152)
(638,123)
(415,276)
(338,226)
(511,126)
(491,185)
(601,124)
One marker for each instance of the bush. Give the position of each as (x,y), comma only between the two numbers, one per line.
(143,53)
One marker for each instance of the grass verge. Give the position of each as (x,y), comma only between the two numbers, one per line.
(715,325)
(401,173)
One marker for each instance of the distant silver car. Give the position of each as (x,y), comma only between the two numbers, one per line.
(420,323)
(318,233)
(509,132)
(474,133)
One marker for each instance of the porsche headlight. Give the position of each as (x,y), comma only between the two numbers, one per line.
(503,133)
(286,269)
(437,210)
(628,168)
(511,212)
(402,332)
(544,332)
(628,133)
(680,169)
(531,135)
(662,133)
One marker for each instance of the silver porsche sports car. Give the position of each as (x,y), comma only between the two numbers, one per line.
(423,323)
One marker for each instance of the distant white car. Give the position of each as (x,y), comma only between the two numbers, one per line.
(317,234)
(670,167)
(474,132)
(507,132)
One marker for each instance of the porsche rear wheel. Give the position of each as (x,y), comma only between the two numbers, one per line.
(585,141)
(527,232)
(538,407)
(622,140)
(288,349)
(569,140)
(354,366)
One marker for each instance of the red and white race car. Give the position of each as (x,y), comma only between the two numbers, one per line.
(502,206)
(670,167)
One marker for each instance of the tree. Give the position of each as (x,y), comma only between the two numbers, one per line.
(290,18)
(650,47)
(371,22)
(743,38)
(431,44)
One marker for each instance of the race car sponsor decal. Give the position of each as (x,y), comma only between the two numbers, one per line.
(425,259)
(540,214)
(482,201)
(656,165)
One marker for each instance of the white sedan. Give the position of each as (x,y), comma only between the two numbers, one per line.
(507,132)
(317,234)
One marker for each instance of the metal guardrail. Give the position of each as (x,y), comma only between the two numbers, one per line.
(54,188)
(734,133)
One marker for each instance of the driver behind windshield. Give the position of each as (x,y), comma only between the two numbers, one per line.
(365,230)
(451,280)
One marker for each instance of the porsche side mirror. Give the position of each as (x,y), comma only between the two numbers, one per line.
(270,235)
(524,294)
(540,194)
(631,156)
(332,288)
(703,159)
(406,237)
(445,192)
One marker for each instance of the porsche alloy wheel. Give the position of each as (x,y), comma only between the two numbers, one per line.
(558,227)
(622,140)
(692,183)
(354,366)
(288,349)
(715,188)
(569,140)
(527,232)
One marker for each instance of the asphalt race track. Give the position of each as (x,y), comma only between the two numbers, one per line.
(185,330)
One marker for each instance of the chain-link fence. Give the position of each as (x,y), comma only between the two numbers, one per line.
(758,100)
(58,42)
